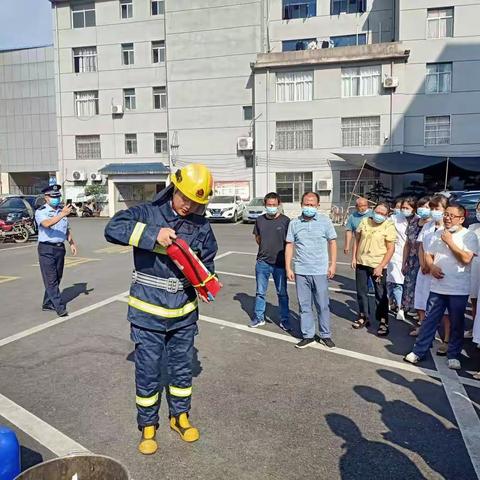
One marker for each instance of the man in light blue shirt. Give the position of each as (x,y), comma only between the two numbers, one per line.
(53,230)
(312,237)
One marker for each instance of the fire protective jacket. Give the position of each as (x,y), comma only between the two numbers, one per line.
(151,307)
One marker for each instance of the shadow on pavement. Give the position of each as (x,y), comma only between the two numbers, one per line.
(29,458)
(77,289)
(363,458)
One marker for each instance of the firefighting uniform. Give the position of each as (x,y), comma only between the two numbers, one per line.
(163,307)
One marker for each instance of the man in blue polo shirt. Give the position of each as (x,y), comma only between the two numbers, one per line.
(312,237)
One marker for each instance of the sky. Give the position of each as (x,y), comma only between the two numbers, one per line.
(25,23)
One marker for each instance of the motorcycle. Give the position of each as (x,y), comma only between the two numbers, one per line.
(19,231)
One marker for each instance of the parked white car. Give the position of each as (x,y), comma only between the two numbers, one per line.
(227,208)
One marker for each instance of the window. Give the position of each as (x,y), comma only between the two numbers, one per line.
(126,8)
(160,142)
(292,185)
(83,15)
(159,98)
(88,147)
(299,9)
(437,130)
(128,56)
(129,99)
(348,6)
(439,78)
(349,40)
(439,22)
(248,112)
(293,45)
(296,135)
(130,143)
(158,52)
(85,59)
(294,86)
(361,81)
(158,7)
(86,103)
(360,131)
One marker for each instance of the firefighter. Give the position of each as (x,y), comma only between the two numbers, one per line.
(163,307)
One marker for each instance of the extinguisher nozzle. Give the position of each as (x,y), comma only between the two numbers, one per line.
(210,297)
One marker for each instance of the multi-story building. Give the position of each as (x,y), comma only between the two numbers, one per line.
(28,133)
(143,85)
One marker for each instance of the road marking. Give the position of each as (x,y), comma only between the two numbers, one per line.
(465,414)
(17,248)
(254,254)
(48,436)
(74,261)
(242,275)
(115,249)
(225,254)
(6,278)
(59,320)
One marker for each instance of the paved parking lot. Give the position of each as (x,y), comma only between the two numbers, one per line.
(265,409)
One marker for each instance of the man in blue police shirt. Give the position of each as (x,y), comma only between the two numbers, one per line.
(53,230)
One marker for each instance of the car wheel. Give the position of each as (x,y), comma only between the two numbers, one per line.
(235,217)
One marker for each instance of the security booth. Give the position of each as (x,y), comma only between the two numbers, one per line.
(130,184)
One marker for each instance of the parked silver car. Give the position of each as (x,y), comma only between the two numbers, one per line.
(253,209)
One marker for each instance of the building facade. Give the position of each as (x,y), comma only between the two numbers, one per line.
(28,131)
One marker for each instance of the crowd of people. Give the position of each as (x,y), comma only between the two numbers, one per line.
(415,255)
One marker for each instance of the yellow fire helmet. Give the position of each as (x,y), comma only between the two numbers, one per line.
(194,181)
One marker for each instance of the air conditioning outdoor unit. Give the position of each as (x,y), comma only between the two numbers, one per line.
(323,185)
(117,109)
(390,82)
(79,176)
(245,143)
(96,177)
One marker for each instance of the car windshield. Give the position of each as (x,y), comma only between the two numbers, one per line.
(222,199)
(468,199)
(256,202)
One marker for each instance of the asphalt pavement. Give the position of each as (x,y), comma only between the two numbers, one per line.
(265,410)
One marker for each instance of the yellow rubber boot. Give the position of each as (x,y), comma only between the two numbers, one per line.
(148,445)
(181,424)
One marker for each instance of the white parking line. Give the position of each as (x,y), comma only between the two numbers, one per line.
(242,275)
(58,320)
(17,248)
(218,257)
(254,253)
(42,432)
(467,418)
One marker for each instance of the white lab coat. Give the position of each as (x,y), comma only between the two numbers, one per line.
(394,268)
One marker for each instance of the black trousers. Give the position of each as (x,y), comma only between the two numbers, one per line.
(52,259)
(362,274)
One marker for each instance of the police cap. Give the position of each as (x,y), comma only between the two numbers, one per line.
(52,191)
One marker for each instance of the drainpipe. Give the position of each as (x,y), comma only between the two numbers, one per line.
(267,129)
(169,141)
(59,83)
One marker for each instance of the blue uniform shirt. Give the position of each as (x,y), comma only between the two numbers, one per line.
(56,233)
(310,238)
(354,220)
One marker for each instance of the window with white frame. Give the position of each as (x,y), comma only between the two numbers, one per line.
(86,103)
(247,112)
(299,8)
(348,40)
(130,143)
(437,130)
(440,22)
(292,185)
(160,142)
(294,135)
(294,86)
(129,99)
(439,78)
(158,52)
(128,55)
(361,81)
(83,15)
(360,131)
(85,59)
(347,6)
(159,98)
(88,147)
(158,7)
(126,8)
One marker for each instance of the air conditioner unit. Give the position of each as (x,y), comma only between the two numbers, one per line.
(390,82)
(245,143)
(96,177)
(323,185)
(79,176)
(117,109)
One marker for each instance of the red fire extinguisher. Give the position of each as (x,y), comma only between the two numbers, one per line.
(206,283)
